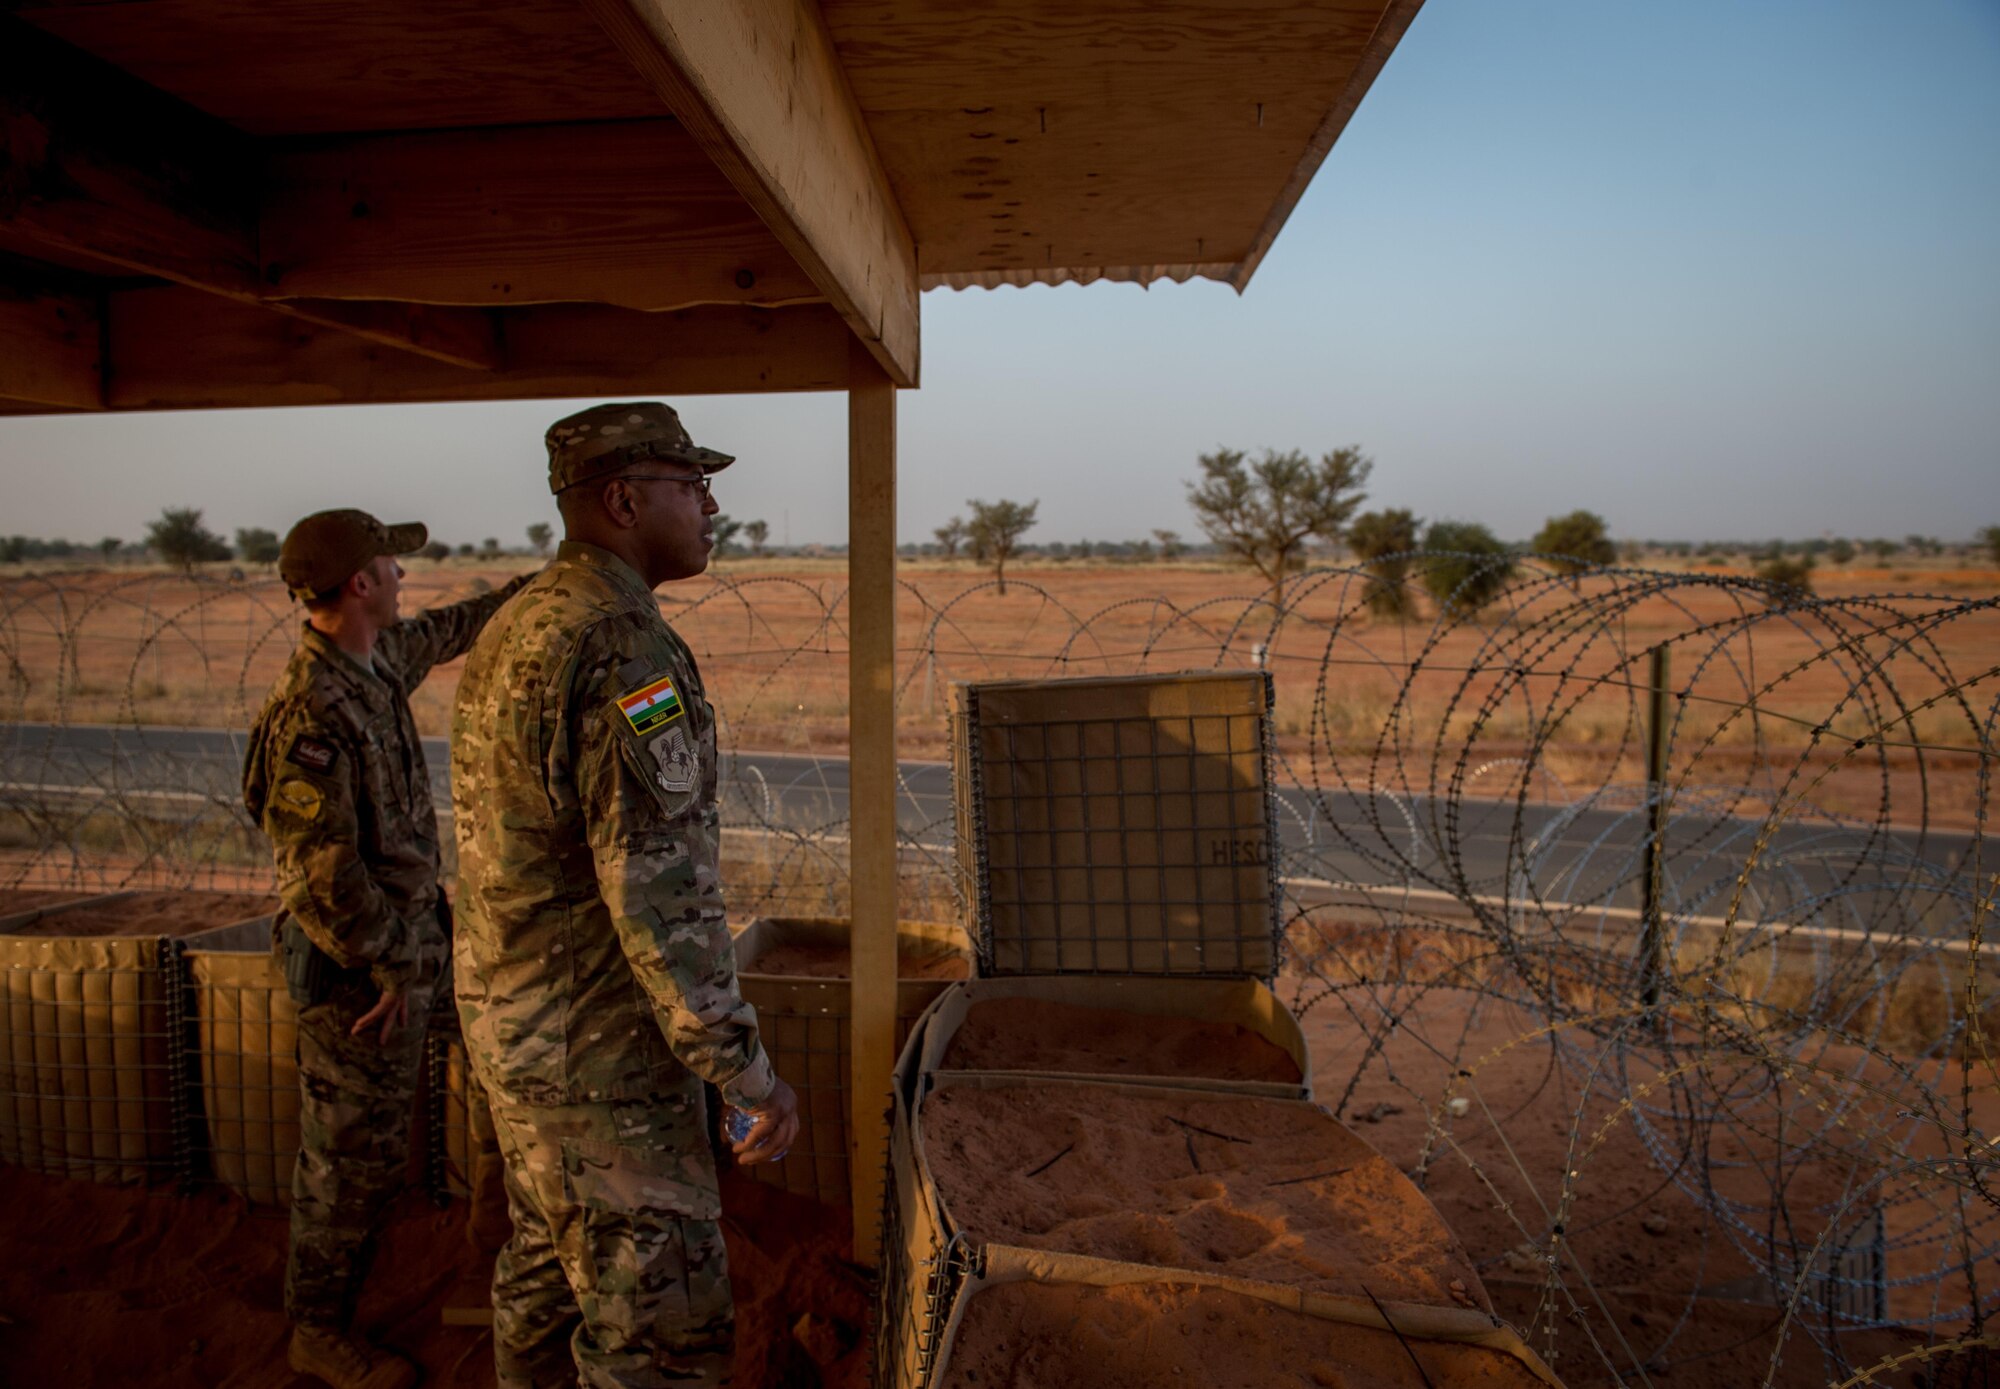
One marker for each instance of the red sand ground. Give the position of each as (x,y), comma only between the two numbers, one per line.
(114,1287)
(1288,1196)
(831,962)
(1026,1034)
(104,1287)
(151,914)
(1038,1336)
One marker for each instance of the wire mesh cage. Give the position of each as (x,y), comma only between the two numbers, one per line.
(805,1023)
(1119,825)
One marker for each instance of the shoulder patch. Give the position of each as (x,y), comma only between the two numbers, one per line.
(652,706)
(312,754)
(300,798)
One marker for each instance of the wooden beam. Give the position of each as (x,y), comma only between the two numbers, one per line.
(759,86)
(871,702)
(458,337)
(51,341)
(97,165)
(631,213)
(95,162)
(171,348)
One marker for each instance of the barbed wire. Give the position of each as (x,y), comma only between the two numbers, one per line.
(1643,913)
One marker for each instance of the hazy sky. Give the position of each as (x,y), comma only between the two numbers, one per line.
(1711,268)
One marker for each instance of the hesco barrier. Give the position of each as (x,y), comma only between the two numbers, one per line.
(1119,825)
(89,1060)
(1244,1003)
(1484,1348)
(246,1034)
(931,1266)
(805,1024)
(149,1058)
(94,1058)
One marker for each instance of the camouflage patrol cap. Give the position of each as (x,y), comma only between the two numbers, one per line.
(328,548)
(604,438)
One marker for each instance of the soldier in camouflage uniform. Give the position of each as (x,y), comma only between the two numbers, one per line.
(596,984)
(335,774)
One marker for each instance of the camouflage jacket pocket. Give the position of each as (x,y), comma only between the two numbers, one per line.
(626,1179)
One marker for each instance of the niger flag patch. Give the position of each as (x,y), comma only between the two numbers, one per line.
(653,705)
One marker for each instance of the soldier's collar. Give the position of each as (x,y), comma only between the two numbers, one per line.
(591,557)
(369,675)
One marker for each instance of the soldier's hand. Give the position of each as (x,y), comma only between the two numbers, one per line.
(391,1010)
(773,1126)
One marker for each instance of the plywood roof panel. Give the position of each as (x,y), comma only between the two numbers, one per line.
(300,67)
(1044,136)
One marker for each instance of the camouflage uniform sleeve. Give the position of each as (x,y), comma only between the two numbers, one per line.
(303,790)
(436,635)
(656,871)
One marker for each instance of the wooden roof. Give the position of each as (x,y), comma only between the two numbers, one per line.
(237,202)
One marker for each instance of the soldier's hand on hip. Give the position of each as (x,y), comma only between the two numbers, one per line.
(774,1124)
(391,1010)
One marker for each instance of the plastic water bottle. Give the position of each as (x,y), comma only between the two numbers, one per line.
(737,1123)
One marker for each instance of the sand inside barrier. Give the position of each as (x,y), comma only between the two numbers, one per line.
(1270,1190)
(1138,1335)
(150,914)
(27,899)
(1028,1034)
(833,962)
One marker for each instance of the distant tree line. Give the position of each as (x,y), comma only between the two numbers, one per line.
(1274,514)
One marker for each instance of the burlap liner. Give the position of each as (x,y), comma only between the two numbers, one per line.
(805,1025)
(248,1029)
(86,1066)
(1246,1003)
(1086,818)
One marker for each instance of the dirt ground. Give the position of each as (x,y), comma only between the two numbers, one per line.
(154,648)
(106,1287)
(191,1283)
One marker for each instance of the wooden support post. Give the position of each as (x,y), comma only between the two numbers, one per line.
(1654,951)
(871,697)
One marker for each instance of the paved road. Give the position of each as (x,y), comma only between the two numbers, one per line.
(1586,853)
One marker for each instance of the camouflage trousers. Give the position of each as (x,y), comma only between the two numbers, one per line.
(615,1273)
(355,1101)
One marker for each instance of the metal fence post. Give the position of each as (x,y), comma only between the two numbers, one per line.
(1654,955)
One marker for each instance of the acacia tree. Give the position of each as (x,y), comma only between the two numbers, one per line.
(1384,542)
(995,530)
(255,545)
(1469,567)
(179,537)
(1576,542)
(539,536)
(1170,544)
(724,528)
(950,536)
(756,532)
(1263,512)
(1990,538)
